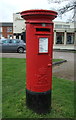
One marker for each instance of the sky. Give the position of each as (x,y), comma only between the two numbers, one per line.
(8,7)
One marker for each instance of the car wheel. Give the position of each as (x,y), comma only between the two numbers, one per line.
(20,50)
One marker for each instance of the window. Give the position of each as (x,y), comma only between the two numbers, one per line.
(15,41)
(10,36)
(9,29)
(59,38)
(70,38)
(66,26)
(0,35)
(5,41)
(58,26)
(0,29)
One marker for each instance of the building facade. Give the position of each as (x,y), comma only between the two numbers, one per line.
(18,27)
(64,35)
(6,30)
(64,32)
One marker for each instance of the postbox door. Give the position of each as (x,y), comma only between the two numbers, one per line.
(43,81)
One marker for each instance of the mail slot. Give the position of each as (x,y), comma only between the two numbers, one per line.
(39,45)
(43,29)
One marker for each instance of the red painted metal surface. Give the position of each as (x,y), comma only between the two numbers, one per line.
(39,32)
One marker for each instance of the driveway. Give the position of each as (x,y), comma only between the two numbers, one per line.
(65,70)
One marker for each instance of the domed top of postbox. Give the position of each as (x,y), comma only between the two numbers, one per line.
(38,15)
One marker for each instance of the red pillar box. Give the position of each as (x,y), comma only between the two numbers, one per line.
(39,44)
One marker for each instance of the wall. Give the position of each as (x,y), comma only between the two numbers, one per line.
(18,23)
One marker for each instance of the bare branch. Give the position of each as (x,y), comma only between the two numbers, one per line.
(56,1)
(68,6)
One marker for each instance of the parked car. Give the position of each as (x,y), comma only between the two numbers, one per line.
(12,45)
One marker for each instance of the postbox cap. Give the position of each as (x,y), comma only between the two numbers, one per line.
(38,14)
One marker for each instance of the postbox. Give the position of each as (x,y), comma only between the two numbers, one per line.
(39,45)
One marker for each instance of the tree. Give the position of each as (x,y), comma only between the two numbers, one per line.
(70,5)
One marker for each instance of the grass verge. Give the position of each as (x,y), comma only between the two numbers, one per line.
(0,88)
(57,60)
(14,97)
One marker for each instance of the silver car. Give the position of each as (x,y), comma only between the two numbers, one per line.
(12,45)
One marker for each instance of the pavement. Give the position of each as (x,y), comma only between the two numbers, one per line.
(65,70)
(13,55)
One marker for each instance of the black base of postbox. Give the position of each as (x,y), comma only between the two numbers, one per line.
(39,102)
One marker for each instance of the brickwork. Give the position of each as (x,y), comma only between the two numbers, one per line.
(6,30)
(6,33)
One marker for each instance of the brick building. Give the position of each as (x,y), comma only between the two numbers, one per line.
(6,30)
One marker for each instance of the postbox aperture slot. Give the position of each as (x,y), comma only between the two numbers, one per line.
(43,45)
(42,30)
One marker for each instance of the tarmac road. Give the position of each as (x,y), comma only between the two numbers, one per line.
(65,70)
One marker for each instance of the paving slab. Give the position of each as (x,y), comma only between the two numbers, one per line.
(12,55)
(65,70)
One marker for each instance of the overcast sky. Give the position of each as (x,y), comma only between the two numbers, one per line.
(8,7)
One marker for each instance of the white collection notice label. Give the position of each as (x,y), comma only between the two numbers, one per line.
(43,45)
